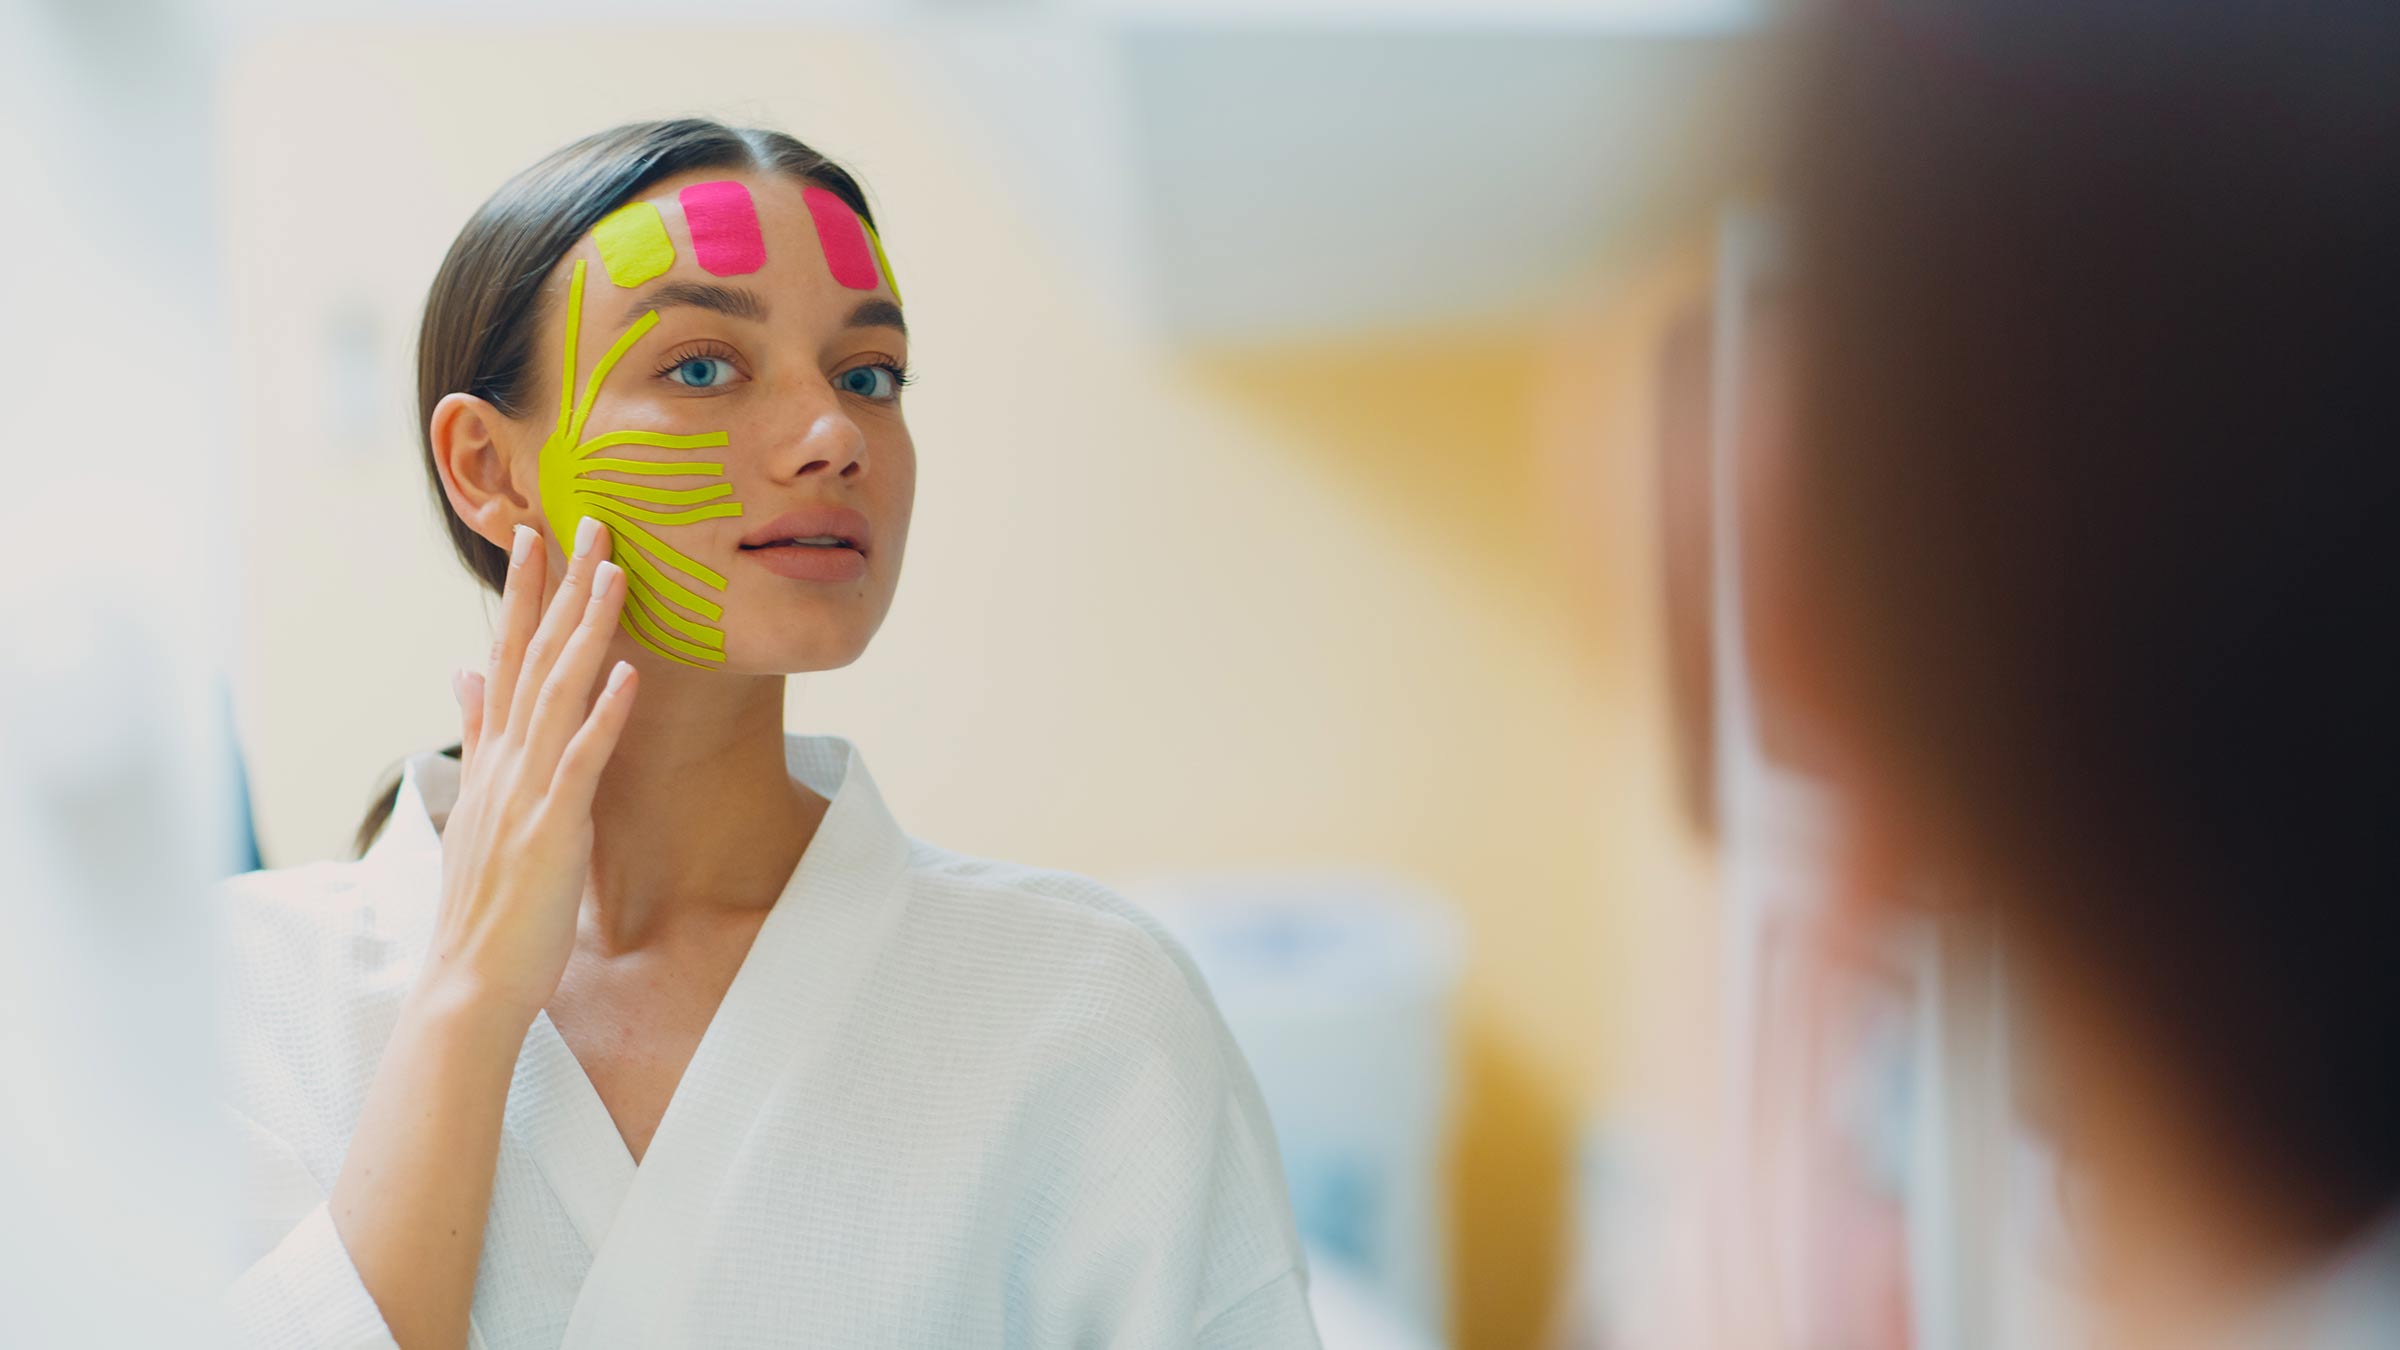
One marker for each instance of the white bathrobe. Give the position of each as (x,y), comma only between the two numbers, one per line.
(946,1102)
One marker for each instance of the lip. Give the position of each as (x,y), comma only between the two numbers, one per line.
(803,562)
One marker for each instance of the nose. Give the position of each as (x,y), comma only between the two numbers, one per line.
(828,442)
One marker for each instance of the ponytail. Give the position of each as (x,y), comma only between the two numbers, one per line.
(387,799)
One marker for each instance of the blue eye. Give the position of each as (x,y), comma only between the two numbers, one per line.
(702,372)
(881,383)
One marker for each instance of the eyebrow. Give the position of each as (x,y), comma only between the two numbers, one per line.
(878,314)
(742,304)
(730,300)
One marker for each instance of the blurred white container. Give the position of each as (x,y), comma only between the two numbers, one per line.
(1338,986)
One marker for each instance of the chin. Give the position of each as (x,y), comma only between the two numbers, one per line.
(780,632)
(788,658)
(795,646)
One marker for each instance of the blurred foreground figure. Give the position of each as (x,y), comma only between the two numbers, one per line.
(120,803)
(2082,580)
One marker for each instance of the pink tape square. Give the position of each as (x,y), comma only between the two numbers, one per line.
(845,244)
(724,226)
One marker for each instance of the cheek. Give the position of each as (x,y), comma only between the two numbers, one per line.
(903,473)
(641,403)
(889,491)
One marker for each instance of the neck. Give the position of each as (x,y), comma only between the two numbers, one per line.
(696,813)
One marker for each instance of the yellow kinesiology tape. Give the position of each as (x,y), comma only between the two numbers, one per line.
(882,262)
(634,245)
(656,599)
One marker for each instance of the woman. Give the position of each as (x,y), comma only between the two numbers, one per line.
(641,1023)
(2085,544)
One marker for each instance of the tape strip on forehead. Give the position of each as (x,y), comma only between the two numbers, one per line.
(845,243)
(634,246)
(723,221)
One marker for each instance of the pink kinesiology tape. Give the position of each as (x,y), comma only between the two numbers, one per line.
(845,244)
(724,226)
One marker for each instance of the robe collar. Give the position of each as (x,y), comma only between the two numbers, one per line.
(858,839)
(810,957)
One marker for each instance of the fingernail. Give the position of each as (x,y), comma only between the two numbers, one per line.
(617,675)
(605,576)
(522,547)
(587,531)
(458,685)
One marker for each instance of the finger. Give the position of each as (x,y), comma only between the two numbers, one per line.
(520,605)
(566,696)
(469,687)
(565,611)
(578,776)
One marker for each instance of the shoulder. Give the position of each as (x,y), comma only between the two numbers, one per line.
(1037,899)
(285,917)
(1078,982)
(285,902)
(326,919)
(1151,1119)
(1059,926)
(312,962)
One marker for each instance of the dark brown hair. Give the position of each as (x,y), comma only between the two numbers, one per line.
(485,305)
(2096,487)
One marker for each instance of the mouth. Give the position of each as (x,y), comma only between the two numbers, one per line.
(824,543)
(812,541)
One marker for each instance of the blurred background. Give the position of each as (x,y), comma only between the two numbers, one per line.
(1316,399)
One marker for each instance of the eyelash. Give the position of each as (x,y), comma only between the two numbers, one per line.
(902,376)
(715,351)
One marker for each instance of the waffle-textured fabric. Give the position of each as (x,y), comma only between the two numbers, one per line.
(946,1102)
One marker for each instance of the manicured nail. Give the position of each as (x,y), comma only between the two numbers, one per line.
(587,532)
(458,685)
(522,547)
(618,674)
(604,577)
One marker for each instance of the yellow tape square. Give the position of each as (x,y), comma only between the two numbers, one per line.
(634,246)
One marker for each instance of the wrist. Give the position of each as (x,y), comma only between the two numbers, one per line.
(464,1004)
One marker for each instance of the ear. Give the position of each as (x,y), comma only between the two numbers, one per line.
(486,473)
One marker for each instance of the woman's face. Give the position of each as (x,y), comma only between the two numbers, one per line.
(786,378)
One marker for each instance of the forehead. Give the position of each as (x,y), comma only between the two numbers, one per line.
(755,231)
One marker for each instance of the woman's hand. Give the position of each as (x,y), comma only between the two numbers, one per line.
(519,840)
(416,1182)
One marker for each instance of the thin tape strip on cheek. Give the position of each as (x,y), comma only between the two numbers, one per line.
(882,262)
(840,234)
(572,490)
(634,246)
(724,226)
